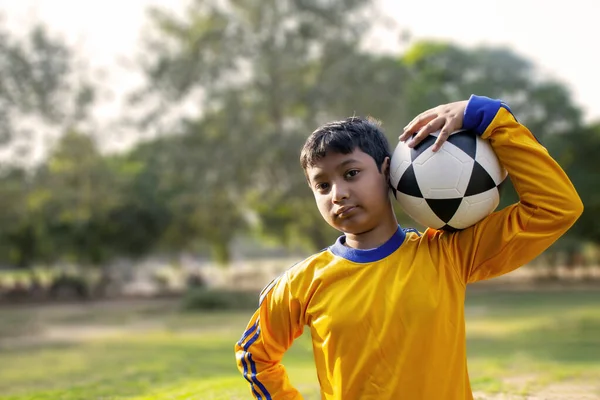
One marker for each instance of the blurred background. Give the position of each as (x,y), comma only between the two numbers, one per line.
(150,183)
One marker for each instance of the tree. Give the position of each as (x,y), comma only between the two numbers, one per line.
(578,154)
(19,226)
(441,72)
(182,186)
(261,74)
(42,94)
(78,192)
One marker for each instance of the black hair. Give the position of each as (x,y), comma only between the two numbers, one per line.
(344,137)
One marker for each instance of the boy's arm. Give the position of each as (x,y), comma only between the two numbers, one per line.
(270,332)
(548,203)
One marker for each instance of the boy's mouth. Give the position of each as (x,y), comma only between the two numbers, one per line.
(344,211)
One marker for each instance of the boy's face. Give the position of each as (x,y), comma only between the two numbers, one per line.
(351,193)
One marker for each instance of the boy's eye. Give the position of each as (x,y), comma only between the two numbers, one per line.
(352,173)
(322,186)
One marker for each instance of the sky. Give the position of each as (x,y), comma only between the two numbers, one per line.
(561,38)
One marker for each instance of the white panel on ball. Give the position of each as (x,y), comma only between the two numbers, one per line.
(399,163)
(447,172)
(489,161)
(418,209)
(474,208)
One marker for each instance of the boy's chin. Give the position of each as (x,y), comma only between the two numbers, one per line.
(350,228)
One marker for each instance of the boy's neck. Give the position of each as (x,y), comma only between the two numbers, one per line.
(373,238)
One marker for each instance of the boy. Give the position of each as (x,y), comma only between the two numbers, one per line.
(385,305)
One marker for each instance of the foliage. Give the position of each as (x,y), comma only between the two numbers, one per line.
(42,92)
(577,153)
(213,299)
(232,90)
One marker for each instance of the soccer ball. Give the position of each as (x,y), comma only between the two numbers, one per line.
(451,189)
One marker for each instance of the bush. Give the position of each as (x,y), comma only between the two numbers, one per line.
(195,281)
(214,299)
(69,287)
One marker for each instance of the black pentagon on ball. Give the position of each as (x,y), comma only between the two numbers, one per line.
(466,141)
(408,183)
(444,208)
(480,181)
(421,147)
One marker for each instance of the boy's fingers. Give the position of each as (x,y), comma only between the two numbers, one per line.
(442,137)
(430,127)
(404,136)
(448,116)
(452,125)
(418,122)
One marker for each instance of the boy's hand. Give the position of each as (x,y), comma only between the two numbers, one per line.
(448,118)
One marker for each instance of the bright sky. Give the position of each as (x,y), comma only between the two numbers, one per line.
(561,37)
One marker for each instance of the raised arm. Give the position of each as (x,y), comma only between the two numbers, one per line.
(548,203)
(270,332)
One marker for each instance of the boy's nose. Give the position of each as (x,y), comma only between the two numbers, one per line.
(339,193)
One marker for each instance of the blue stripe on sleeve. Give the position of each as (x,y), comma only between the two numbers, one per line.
(248,332)
(266,290)
(480,112)
(256,394)
(251,341)
(255,379)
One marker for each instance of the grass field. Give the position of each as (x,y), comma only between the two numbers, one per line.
(522,345)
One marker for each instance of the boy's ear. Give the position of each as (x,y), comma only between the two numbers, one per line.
(385,167)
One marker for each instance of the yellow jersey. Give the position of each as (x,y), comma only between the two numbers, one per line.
(388,323)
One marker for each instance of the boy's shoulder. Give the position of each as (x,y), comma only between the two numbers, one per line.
(310,264)
(300,270)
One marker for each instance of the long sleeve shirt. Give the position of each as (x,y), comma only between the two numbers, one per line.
(388,323)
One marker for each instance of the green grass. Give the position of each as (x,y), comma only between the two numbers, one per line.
(518,343)
(521,342)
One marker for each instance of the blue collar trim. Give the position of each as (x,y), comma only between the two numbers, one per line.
(370,255)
